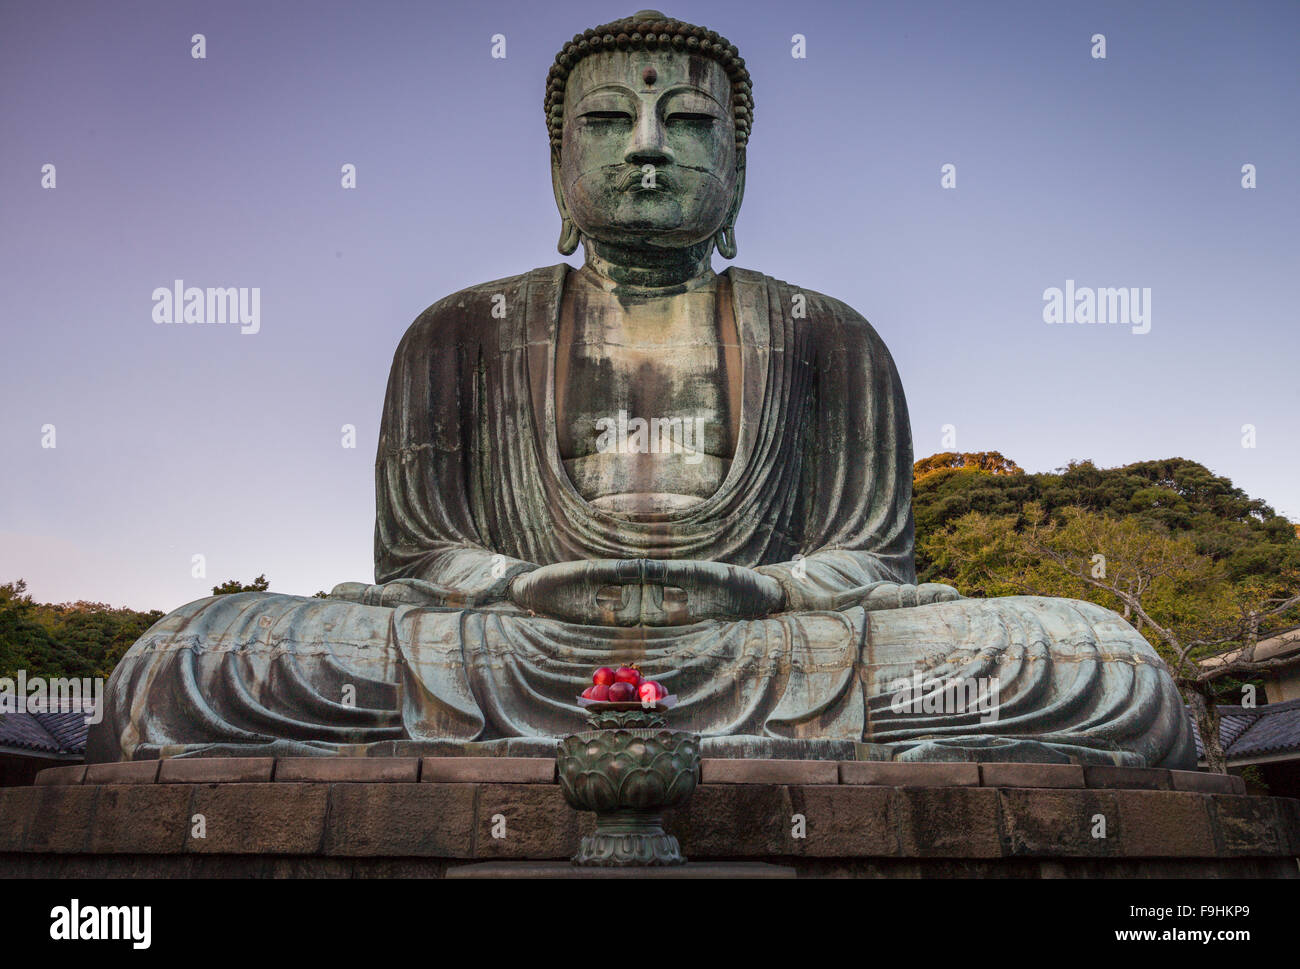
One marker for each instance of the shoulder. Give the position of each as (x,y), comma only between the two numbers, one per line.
(820,317)
(468,314)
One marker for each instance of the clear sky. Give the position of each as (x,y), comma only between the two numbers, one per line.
(175,440)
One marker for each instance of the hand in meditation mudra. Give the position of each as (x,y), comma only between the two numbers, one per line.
(642,461)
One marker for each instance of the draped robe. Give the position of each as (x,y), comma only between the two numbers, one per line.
(471,491)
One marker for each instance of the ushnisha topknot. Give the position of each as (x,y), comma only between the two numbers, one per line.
(650,30)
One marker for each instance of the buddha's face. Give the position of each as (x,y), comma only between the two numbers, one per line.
(626,110)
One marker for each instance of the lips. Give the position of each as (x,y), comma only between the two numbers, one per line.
(632,181)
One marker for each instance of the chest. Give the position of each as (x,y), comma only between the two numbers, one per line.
(673,362)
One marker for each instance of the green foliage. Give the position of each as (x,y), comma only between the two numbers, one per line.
(76,638)
(24,642)
(1254,777)
(67,639)
(260,584)
(991,461)
(1174,496)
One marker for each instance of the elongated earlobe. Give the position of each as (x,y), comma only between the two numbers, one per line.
(725,240)
(568,237)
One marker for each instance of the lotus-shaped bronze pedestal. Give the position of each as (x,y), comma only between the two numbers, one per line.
(628,772)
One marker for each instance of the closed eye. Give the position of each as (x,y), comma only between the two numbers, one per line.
(688,116)
(607,116)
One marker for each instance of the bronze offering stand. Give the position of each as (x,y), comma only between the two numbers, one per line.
(628,768)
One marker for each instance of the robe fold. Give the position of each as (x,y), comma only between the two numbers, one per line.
(471,491)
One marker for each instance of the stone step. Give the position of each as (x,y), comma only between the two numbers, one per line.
(563,869)
(713,770)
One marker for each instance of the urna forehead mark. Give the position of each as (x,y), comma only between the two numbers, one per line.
(653,34)
(641,72)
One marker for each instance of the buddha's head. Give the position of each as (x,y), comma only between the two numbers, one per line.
(649,118)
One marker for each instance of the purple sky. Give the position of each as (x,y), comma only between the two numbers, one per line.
(177,440)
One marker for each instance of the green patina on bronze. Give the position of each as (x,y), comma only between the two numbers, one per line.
(651,31)
(629,777)
(746,538)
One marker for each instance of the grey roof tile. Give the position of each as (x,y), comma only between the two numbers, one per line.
(46,733)
(1250,731)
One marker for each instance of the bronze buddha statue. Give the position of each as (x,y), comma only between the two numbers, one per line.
(642,460)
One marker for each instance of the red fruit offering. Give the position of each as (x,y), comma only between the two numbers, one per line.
(622,692)
(660,692)
(603,677)
(628,674)
(647,692)
(586,694)
(598,692)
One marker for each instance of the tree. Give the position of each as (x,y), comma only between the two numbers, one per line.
(948,485)
(24,643)
(991,462)
(1173,494)
(81,639)
(95,632)
(260,584)
(1188,605)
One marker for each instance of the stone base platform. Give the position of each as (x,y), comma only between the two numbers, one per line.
(425,817)
(563,869)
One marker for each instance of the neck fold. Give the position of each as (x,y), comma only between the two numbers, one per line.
(648,271)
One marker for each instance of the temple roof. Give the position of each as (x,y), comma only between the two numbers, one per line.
(1248,732)
(51,734)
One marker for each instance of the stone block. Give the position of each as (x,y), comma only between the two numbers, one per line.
(959,822)
(17,808)
(714,770)
(721,820)
(1204,782)
(260,818)
(72,774)
(61,819)
(897,774)
(137,819)
(495,770)
(1128,778)
(527,821)
(842,822)
(1247,825)
(401,820)
(1164,824)
(131,772)
(728,870)
(1056,822)
(216,770)
(1288,813)
(1031,775)
(339,770)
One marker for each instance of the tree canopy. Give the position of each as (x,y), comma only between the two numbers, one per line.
(1174,495)
(260,584)
(65,639)
(82,639)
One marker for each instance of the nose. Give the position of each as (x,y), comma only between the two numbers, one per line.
(649,145)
